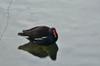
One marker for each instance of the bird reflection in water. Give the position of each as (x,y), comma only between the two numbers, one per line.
(41,51)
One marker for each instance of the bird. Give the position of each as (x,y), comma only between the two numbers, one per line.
(41,35)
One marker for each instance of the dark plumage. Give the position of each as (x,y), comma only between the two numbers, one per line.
(41,35)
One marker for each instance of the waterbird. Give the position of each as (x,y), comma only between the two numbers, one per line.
(41,35)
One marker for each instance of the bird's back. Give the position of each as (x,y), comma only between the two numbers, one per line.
(38,31)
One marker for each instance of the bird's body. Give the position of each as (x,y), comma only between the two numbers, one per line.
(41,35)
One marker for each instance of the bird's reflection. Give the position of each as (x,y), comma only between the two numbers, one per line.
(41,51)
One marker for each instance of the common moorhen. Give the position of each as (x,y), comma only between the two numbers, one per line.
(41,35)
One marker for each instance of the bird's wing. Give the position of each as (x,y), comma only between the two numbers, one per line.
(38,31)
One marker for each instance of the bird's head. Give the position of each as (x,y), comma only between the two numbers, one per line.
(54,32)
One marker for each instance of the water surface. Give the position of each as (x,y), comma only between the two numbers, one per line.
(77,23)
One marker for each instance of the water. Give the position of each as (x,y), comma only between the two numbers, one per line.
(77,22)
